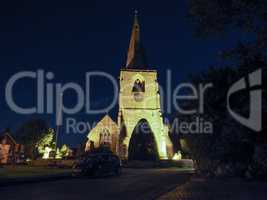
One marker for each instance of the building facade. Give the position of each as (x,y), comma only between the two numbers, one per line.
(10,151)
(139,101)
(105,133)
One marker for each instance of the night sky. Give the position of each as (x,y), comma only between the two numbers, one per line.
(70,38)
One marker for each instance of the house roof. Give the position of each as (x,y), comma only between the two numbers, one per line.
(6,133)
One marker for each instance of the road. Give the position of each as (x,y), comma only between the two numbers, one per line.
(133,184)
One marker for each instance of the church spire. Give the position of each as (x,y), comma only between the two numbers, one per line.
(136,55)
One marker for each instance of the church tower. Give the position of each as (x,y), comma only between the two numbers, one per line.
(139,100)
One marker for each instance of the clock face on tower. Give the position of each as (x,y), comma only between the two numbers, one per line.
(138,90)
(138,96)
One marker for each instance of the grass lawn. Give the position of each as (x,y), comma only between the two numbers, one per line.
(27,171)
(200,189)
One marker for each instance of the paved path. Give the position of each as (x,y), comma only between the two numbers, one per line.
(228,189)
(133,184)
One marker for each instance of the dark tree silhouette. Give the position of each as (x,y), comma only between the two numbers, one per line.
(232,149)
(30,133)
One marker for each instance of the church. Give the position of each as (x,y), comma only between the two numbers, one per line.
(139,133)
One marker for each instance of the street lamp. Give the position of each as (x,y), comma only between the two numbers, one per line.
(58,119)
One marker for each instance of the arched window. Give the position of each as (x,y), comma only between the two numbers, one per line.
(105,137)
(139,86)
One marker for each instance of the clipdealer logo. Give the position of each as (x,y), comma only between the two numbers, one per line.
(254,121)
(48,103)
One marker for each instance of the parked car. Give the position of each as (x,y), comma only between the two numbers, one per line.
(97,164)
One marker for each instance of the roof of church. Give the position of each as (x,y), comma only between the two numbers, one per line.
(107,123)
(136,55)
(107,120)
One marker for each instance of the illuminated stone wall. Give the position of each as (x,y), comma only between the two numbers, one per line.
(106,125)
(141,105)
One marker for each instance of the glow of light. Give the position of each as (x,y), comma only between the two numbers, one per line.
(177,156)
(47,151)
(58,154)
